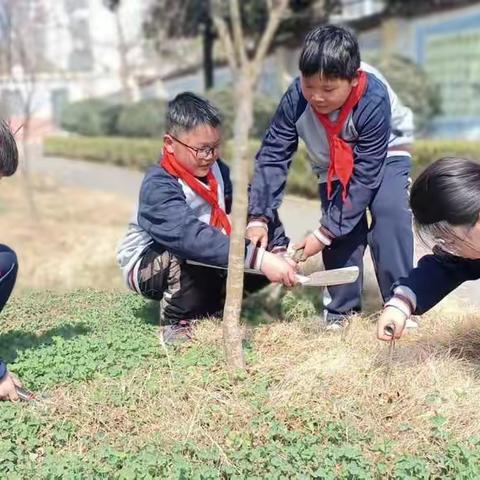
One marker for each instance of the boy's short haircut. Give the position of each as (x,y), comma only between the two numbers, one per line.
(187,111)
(330,51)
(8,151)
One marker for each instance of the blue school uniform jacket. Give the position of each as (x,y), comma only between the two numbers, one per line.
(433,279)
(165,217)
(367,130)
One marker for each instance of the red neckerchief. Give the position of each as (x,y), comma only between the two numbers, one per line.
(218,218)
(341,154)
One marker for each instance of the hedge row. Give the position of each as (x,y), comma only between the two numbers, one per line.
(141,153)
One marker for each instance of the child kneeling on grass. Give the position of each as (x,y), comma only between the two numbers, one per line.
(445,201)
(8,259)
(183,215)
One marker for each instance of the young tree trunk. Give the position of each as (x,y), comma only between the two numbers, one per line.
(25,168)
(129,85)
(208,41)
(232,333)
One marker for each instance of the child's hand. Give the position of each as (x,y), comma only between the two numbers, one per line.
(277,270)
(8,386)
(391,323)
(311,246)
(257,233)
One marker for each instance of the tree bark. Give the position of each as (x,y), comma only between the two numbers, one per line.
(208,41)
(232,333)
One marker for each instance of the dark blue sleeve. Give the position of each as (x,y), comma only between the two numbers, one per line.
(275,156)
(165,215)
(436,276)
(3,369)
(227,185)
(372,121)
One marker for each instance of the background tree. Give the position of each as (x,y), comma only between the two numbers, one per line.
(193,18)
(22,63)
(413,86)
(124,47)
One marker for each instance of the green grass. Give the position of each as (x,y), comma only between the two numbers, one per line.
(124,408)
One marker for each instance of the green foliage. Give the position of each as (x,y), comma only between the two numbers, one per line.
(415,89)
(138,153)
(142,119)
(102,349)
(141,153)
(93,117)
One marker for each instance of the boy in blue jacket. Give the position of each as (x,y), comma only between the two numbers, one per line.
(8,259)
(183,216)
(343,114)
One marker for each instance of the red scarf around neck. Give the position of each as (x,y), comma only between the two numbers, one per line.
(341,154)
(218,218)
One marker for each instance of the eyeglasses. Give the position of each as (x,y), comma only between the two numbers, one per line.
(200,153)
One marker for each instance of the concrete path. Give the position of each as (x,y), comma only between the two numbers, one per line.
(299,215)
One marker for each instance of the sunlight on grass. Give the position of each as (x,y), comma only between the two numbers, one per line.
(311,404)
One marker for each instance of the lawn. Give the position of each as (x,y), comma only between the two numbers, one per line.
(310,405)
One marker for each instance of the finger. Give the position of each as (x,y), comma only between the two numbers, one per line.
(291,278)
(12,394)
(389,330)
(263,241)
(16,381)
(381,331)
(398,332)
(300,244)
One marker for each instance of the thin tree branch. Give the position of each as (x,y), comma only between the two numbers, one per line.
(237,29)
(226,40)
(274,20)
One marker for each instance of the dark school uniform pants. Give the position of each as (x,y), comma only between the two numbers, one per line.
(8,273)
(185,291)
(390,238)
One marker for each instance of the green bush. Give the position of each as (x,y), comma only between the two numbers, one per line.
(413,86)
(142,119)
(93,117)
(138,153)
(141,153)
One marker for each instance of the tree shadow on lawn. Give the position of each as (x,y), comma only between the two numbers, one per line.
(14,341)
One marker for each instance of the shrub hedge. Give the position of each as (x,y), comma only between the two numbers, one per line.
(140,153)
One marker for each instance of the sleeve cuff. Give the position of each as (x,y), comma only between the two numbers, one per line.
(257,223)
(321,237)
(254,257)
(404,299)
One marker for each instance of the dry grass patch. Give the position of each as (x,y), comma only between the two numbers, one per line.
(73,242)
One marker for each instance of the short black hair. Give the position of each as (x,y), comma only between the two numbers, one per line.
(188,110)
(446,193)
(331,51)
(8,151)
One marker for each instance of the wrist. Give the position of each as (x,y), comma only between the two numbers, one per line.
(258,258)
(324,235)
(400,305)
(321,238)
(257,224)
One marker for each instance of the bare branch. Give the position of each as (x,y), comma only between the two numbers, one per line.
(274,19)
(237,29)
(226,40)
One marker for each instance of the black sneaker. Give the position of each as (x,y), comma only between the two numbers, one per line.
(178,333)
